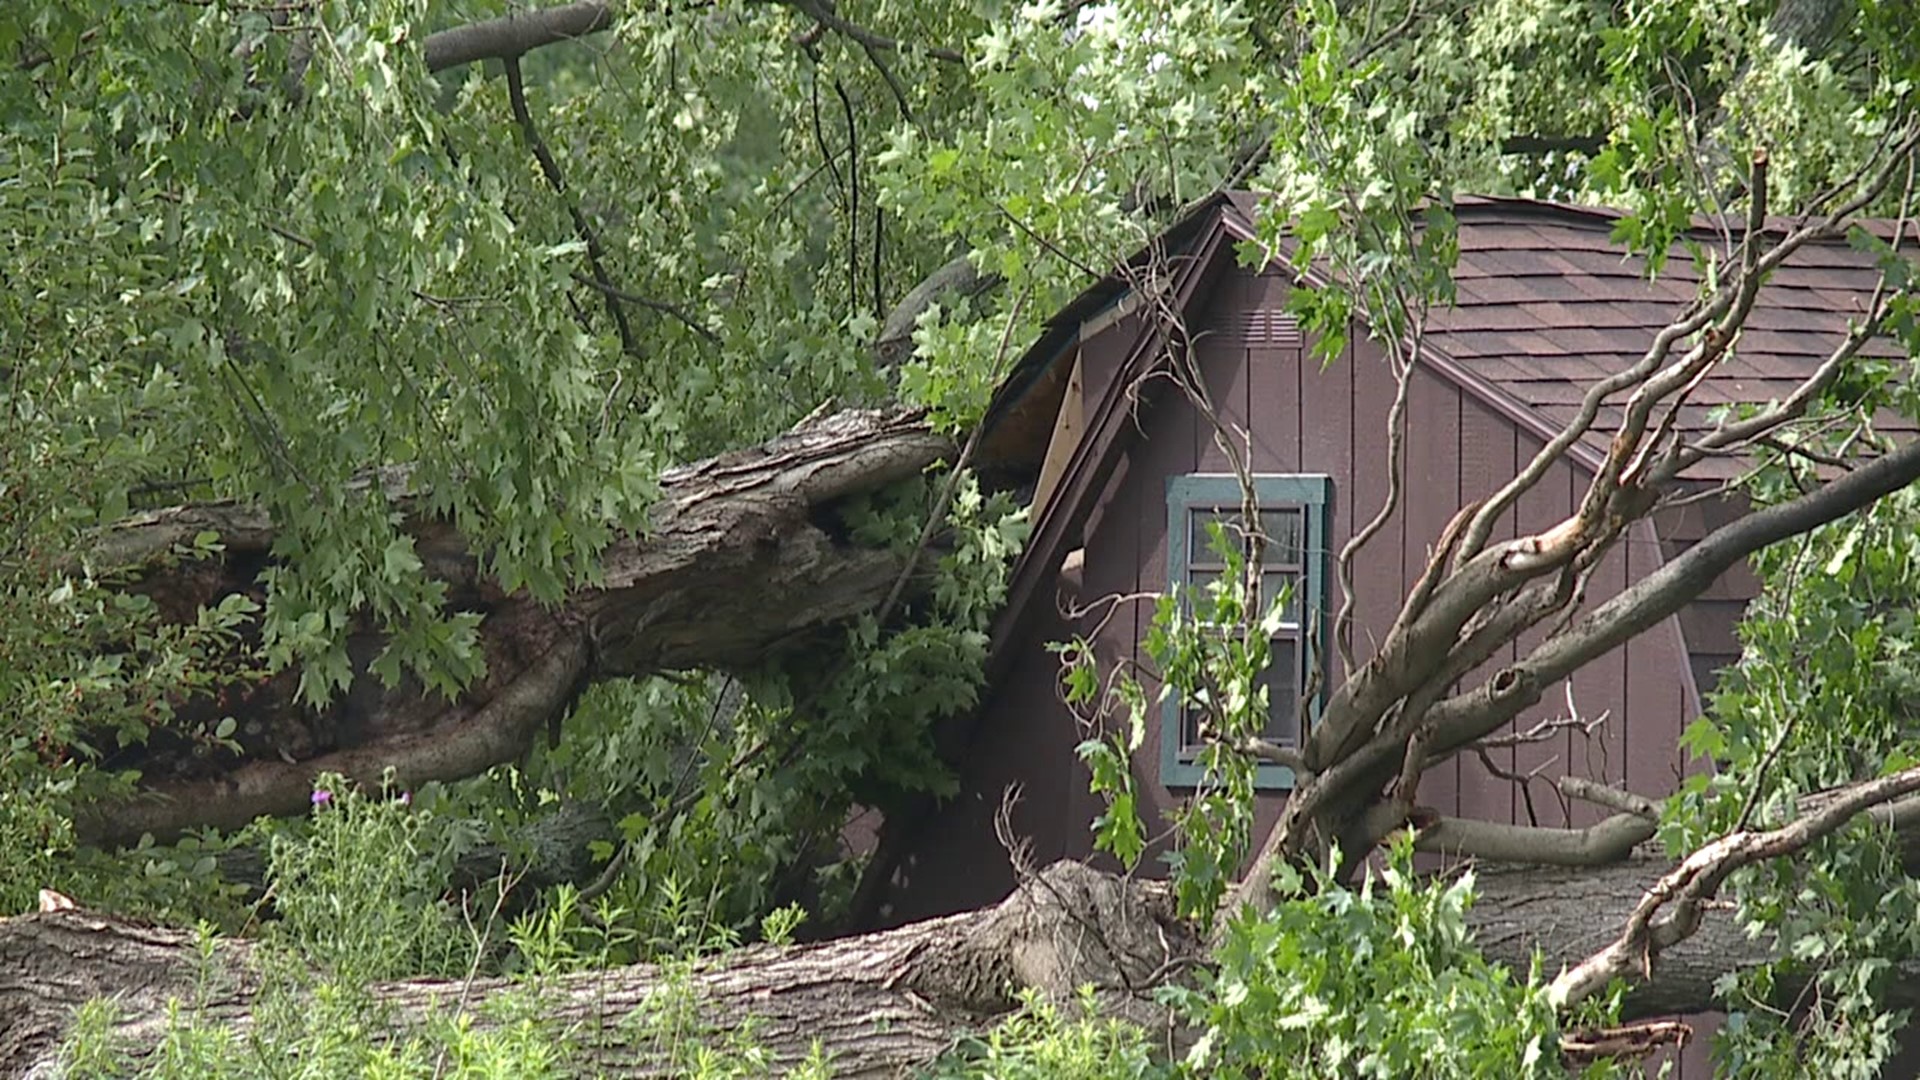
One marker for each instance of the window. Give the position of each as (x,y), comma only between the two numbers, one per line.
(1294,512)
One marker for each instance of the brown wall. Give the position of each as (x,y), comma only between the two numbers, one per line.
(1302,418)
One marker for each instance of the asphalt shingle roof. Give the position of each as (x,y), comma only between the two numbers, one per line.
(1547,303)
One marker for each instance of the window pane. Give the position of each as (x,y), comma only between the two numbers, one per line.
(1271,584)
(1198,584)
(1189,734)
(1282,680)
(1286,535)
(1200,550)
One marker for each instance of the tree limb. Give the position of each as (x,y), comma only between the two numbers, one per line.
(1671,910)
(596,254)
(1479,712)
(1608,841)
(689,592)
(516,34)
(878,1006)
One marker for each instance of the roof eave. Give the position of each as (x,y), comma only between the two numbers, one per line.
(1093,454)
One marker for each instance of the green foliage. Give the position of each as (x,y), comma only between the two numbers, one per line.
(1823,695)
(354,894)
(1382,981)
(358,890)
(262,254)
(730,794)
(1044,1041)
(1209,647)
(1379,982)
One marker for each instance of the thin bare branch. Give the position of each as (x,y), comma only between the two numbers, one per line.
(674,311)
(822,11)
(1613,798)
(1596,845)
(1396,448)
(596,254)
(1476,713)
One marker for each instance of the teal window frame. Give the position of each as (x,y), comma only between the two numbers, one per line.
(1313,495)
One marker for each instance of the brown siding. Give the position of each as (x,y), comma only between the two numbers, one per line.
(955,862)
(1709,623)
(1301,417)
(1487,448)
(1547,504)
(1432,497)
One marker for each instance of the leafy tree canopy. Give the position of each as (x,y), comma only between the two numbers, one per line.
(295,253)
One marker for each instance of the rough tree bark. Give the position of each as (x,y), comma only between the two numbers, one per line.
(690,592)
(879,1005)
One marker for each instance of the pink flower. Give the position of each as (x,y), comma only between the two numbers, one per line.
(321,796)
(406,798)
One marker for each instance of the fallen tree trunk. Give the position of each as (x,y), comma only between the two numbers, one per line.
(1570,913)
(878,1005)
(727,536)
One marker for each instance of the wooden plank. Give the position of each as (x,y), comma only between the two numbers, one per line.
(1547,504)
(1486,463)
(1599,688)
(1323,407)
(1104,353)
(1274,391)
(1165,449)
(1110,569)
(1067,429)
(1378,570)
(1223,364)
(1278,394)
(956,863)
(1431,496)
(1657,698)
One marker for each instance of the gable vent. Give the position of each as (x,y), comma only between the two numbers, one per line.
(1264,328)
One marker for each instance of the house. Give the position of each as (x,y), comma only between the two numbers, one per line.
(1546,304)
(1127,471)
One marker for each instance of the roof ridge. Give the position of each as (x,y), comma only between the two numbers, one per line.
(1570,214)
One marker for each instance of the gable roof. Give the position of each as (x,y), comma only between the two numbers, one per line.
(1545,304)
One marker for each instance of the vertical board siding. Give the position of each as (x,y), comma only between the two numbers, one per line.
(1165,449)
(1223,364)
(1541,507)
(1431,493)
(1378,572)
(1103,355)
(1300,416)
(1599,695)
(956,863)
(1486,464)
(1659,698)
(1274,377)
(1326,427)
(1110,568)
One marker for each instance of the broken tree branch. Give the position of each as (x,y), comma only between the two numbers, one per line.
(883,1005)
(1477,713)
(1671,910)
(688,592)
